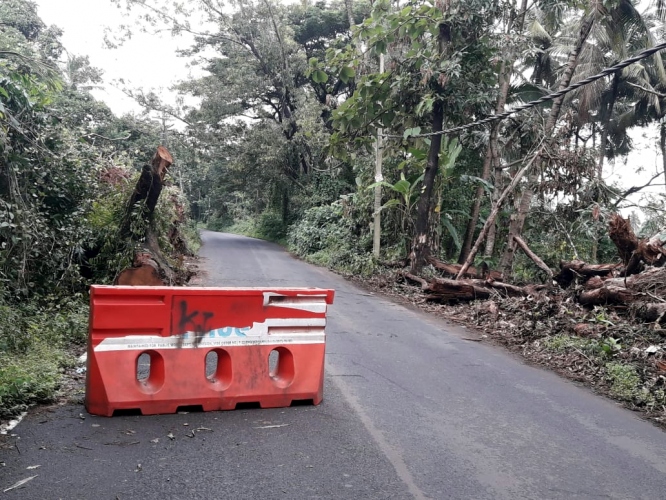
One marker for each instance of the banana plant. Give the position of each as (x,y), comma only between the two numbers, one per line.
(408,190)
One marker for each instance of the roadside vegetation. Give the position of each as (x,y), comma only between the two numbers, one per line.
(67,167)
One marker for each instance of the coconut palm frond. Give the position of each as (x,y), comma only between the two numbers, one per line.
(539,34)
(525,92)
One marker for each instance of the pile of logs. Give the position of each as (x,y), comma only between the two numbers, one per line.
(637,283)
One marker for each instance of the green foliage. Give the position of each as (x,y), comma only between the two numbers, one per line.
(325,237)
(244,227)
(34,341)
(13,330)
(624,380)
(271,227)
(28,379)
(65,171)
(564,342)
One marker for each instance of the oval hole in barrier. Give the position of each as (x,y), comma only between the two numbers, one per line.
(150,371)
(218,368)
(281,366)
(143,367)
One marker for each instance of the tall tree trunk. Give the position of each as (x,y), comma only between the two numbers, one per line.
(518,219)
(498,185)
(662,145)
(491,157)
(605,123)
(607,114)
(421,244)
(350,12)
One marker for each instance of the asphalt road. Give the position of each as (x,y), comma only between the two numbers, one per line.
(411,410)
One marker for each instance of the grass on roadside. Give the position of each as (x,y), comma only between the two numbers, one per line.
(34,352)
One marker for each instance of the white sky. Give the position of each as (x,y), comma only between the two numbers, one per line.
(147,61)
(150,62)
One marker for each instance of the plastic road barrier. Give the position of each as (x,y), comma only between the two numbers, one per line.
(212,348)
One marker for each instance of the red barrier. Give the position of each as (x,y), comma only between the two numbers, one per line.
(178,328)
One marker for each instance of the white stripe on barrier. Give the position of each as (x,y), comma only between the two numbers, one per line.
(258,334)
(310,303)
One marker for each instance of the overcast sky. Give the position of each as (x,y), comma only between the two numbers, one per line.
(147,61)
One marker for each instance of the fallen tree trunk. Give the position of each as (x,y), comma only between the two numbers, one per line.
(609,294)
(446,290)
(450,290)
(570,270)
(471,272)
(636,253)
(535,258)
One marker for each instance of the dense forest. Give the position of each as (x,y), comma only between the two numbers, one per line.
(345,130)
(294,107)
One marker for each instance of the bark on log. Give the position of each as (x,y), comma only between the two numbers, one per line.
(570,270)
(148,188)
(445,290)
(150,268)
(472,272)
(535,258)
(607,295)
(649,311)
(449,290)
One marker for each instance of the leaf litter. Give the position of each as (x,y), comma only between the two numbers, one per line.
(600,347)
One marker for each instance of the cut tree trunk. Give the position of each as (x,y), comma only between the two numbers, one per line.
(146,272)
(636,253)
(575,268)
(622,235)
(150,267)
(148,188)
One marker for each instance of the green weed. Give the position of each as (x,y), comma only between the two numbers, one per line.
(625,382)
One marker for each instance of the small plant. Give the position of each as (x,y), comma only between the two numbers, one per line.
(563,342)
(610,346)
(625,382)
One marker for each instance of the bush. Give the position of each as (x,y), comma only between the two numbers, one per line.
(271,227)
(325,237)
(13,332)
(320,228)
